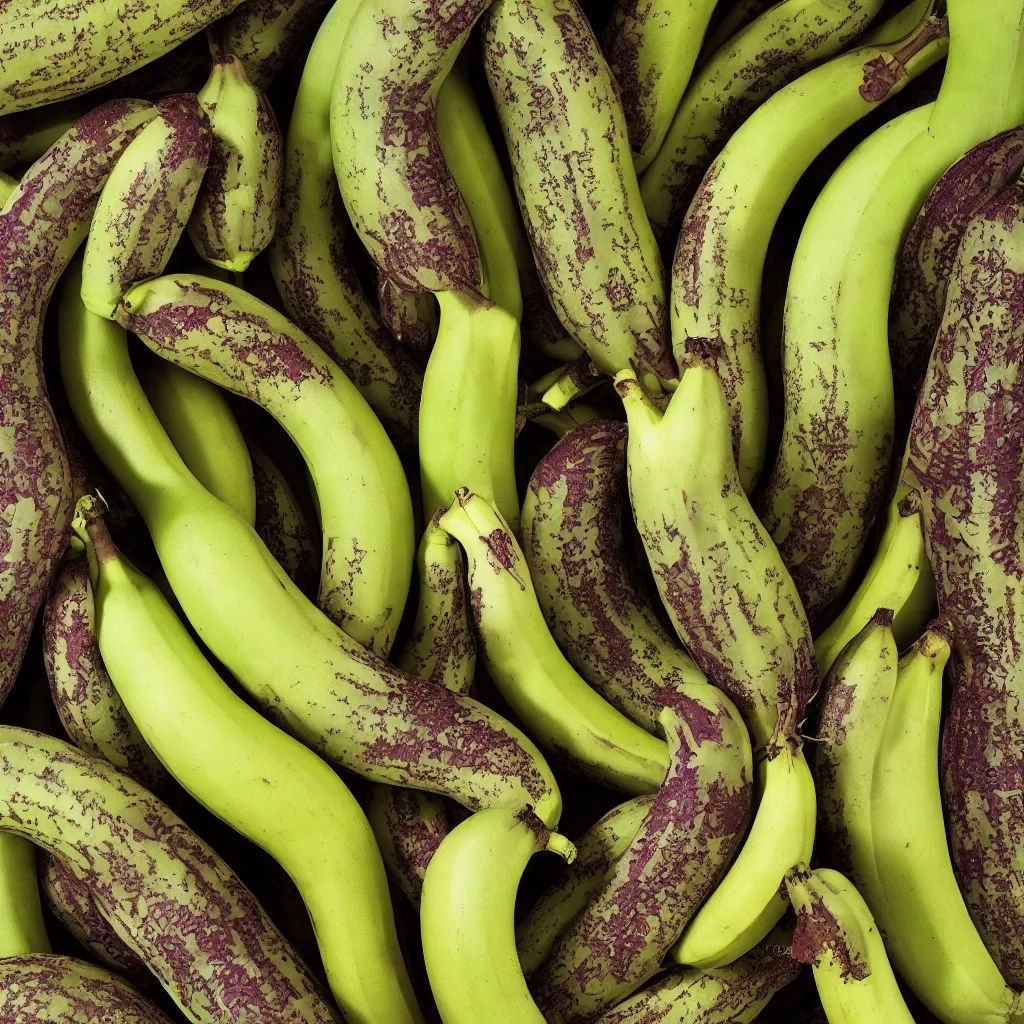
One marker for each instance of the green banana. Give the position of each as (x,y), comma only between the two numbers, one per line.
(929,934)
(652,48)
(236,210)
(146,202)
(566,137)
(717,270)
(327,689)
(311,255)
(900,23)
(836,934)
(561,423)
(42,223)
(26,136)
(235,341)
(266,785)
(466,917)
(541,687)
(199,421)
(22,928)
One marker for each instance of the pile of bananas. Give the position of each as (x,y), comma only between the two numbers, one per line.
(466,430)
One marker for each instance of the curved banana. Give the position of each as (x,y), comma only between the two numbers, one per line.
(26,136)
(597,851)
(900,23)
(43,221)
(466,917)
(716,273)
(236,210)
(146,202)
(22,928)
(778,46)
(652,48)
(688,837)
(266,785)
(929,934)
(235,341)
(577,191)
(199,421)
(311,255)
(560,710)
(327,689)
(836,934)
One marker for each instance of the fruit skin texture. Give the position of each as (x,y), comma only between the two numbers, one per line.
(51,51)
(210,945)
(41,225)
(44,989)
(689,835)
(577,191)
(966,452)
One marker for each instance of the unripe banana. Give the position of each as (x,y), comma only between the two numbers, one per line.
(145,203)
(716,274)
(42,223)
(50,51)
(835,933)
(236,210)
(565,421)
(22,928)
(566,137)
(26,136)
(211,945)
(689,835)
(311,255)
(63,990)
(467,916)
(540,686)
(237,342)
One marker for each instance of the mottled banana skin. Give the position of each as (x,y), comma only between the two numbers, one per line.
(713,995)
(27,135)
(311,255)
(691,831)
(146,202)
(929,256)
(168,895)
(236,211)
(574,178)
(43,989)
(572,539)
(51,50)
(41,225)
(88,706)
(965,458)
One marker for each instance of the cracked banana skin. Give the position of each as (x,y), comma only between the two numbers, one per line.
(263,783)
(304,672)
(717,269)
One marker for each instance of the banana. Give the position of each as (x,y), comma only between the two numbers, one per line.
(466,917)
(235,341)
(780,45)
(900,23)
(566,137)
(856,697)
(468,409)
(199,421)
(734,994)
(836,934)
(42,223)
(310,676)
(22,928)
(50,51)
(146,202)
(561,423)
(687,839)
(652,48)
(541,687)
(898,577)
(312,253)
(263,783)
(235,213)
(965,459)
(929,935)
(716,273)
(412,318)
(597,851)
(264,34)
(280,522)
(211,945)
(26,136)
(63,990)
